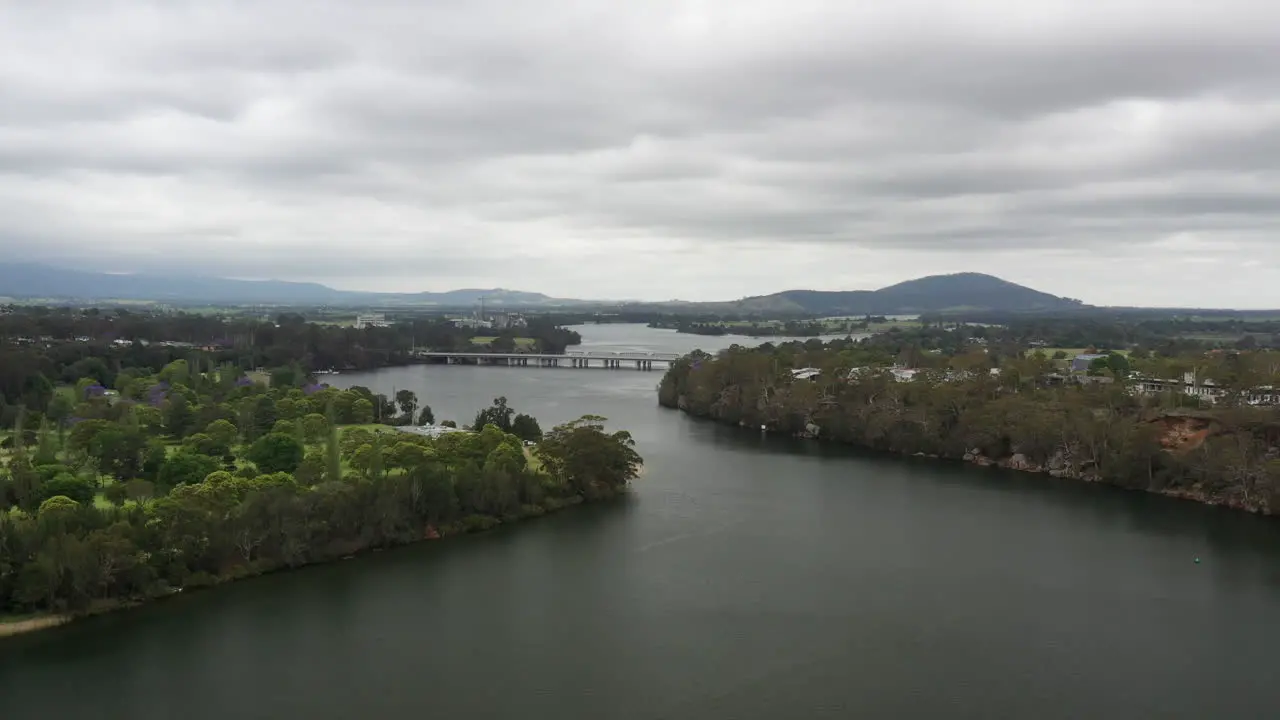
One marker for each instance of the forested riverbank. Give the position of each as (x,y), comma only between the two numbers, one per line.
(40,347)
(1011,416)
(186,478)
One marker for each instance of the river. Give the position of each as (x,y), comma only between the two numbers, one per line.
(745,577)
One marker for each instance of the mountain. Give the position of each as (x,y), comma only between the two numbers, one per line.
(31,280)
(936,293)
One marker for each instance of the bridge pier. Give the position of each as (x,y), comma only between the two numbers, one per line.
(609,360)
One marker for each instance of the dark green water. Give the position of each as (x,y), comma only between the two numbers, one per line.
(744,578)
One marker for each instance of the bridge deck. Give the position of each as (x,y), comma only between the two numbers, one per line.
(662,357)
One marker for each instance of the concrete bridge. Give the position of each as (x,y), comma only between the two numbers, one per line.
(572,359)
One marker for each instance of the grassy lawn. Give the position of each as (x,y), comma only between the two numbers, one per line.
(533,462)
(371,427)
(1071,352)
(886,326)
(101,502)
(487,340)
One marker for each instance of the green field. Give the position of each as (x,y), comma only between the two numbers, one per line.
(886,326)
(521,342)
(1071,352)
(371,427)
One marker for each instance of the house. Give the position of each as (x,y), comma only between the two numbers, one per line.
(373,320)
(1081,363)
(431,431)
(1206,390)
(903,374)
(1265,395)
(805,374)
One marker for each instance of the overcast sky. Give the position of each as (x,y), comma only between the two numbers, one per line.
(1125,152)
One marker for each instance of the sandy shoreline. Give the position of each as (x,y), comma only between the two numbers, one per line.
(41,622)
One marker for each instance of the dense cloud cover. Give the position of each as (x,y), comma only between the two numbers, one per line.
(1124,152)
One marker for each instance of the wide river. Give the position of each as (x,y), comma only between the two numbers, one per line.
(745,577)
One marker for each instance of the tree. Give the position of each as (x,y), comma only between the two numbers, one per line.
(332,450)
(287,377)
(589,459)
(139,491)
(264,416)
(119,450)
(526,428)
(116,493)
(178,417)
(175,373)
(311,470)
(425,416)
(354,438)
(68,485)
(362,412)
(154,456)
(46,448)
(497,415)
(222,432)
(314,427)
(407,401)
(206,444)
(59,508)
(186,468)
(276,452)
(59,410)
(25,484)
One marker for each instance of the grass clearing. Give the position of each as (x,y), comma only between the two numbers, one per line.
(371,427)
(892,324)
(486,340)
(532,460)
(1071,352)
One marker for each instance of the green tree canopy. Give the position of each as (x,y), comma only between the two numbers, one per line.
(276,452)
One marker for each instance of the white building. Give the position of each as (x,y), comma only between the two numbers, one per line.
(374,320)
(1206,390)
(431,431)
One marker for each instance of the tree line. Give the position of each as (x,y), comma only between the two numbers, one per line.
(119,491)
(1015,416)
(43,347)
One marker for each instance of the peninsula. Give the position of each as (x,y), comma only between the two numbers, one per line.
(123,481)
(1195,423)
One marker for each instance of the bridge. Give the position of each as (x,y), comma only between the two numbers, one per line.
(573,359)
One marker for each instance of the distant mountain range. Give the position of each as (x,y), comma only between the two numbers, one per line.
(937,293)
(33,281)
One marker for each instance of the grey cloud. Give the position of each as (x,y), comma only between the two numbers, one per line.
(499,140)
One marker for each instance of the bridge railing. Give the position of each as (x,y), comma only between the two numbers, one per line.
(576,354)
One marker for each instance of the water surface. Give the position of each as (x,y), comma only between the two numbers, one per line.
(745,577)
